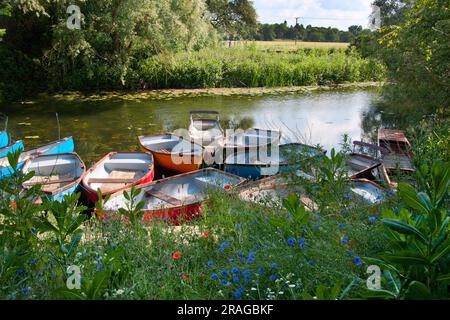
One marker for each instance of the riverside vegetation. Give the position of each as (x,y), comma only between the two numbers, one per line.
(237,250)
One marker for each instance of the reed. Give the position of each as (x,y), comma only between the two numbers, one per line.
(249,67)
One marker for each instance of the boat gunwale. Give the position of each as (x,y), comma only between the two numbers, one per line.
(172,153)
(66,187)
(89,189)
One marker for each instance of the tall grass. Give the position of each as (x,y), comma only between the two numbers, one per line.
(249,67)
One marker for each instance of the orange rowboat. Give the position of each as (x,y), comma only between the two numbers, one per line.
(173,152)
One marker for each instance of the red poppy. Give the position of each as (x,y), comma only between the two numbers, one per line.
(185,277)
(177,255)
(227,187)
(13,205)
(205,235)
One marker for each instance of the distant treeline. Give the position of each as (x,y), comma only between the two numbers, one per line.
(269,32)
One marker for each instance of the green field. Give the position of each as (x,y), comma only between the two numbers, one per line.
(289,45)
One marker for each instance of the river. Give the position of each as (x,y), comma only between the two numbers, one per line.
(113,125)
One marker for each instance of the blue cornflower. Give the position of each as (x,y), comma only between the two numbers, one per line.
(225,273)
(358,260)
(304,228)
(243,260)
(238,293)
(260,270)
(319,219)
(347,196)
(316,213)
(224,282)
(240,254)
(340,225)
(255,247)
(246,279)
(291,242)
(99,259)
(273,277)
(99,267)
(236,279)
(251,257)
(274,265)
(214,276)
(20,272)
(234,270)
(390,192)
(317,227)
(223,246)
(238,226)
(210,263)
(372,219)
(288,216)
(396,210)
(301,242)
(32,262)
(344,240)
(26,290)
(350,253)
(247,273)
(344,212)
(231,260)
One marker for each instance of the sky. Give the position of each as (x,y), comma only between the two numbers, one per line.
(341,13)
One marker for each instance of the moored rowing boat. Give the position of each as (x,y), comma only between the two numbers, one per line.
(173,152)
(58,175)
(117,171)
(65,145)
(176,198)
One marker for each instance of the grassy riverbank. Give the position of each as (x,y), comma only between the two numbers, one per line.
(249,67)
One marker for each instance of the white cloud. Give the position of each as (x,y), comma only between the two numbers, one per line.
(335,13)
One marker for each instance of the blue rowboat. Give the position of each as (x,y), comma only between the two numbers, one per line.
(18,145)
(4,139)
(58,174)
(65,145)
(255,164)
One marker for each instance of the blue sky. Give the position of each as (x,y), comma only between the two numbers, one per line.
(342,13)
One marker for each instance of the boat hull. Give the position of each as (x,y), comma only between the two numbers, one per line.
(176,199)
(4,139)
(65,145)
(11,149)
(286,161)
(178,164)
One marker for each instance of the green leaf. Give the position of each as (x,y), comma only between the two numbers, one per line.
(76,238)
(405,258)
(410,196)
(417,290)
(98,284)
(441,251)
(404,228)
(445,278)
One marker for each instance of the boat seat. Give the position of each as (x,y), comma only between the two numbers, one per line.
(169,199)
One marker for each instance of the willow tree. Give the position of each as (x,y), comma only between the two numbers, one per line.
(113,35)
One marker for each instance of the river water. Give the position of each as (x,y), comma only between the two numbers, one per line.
(103,126)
